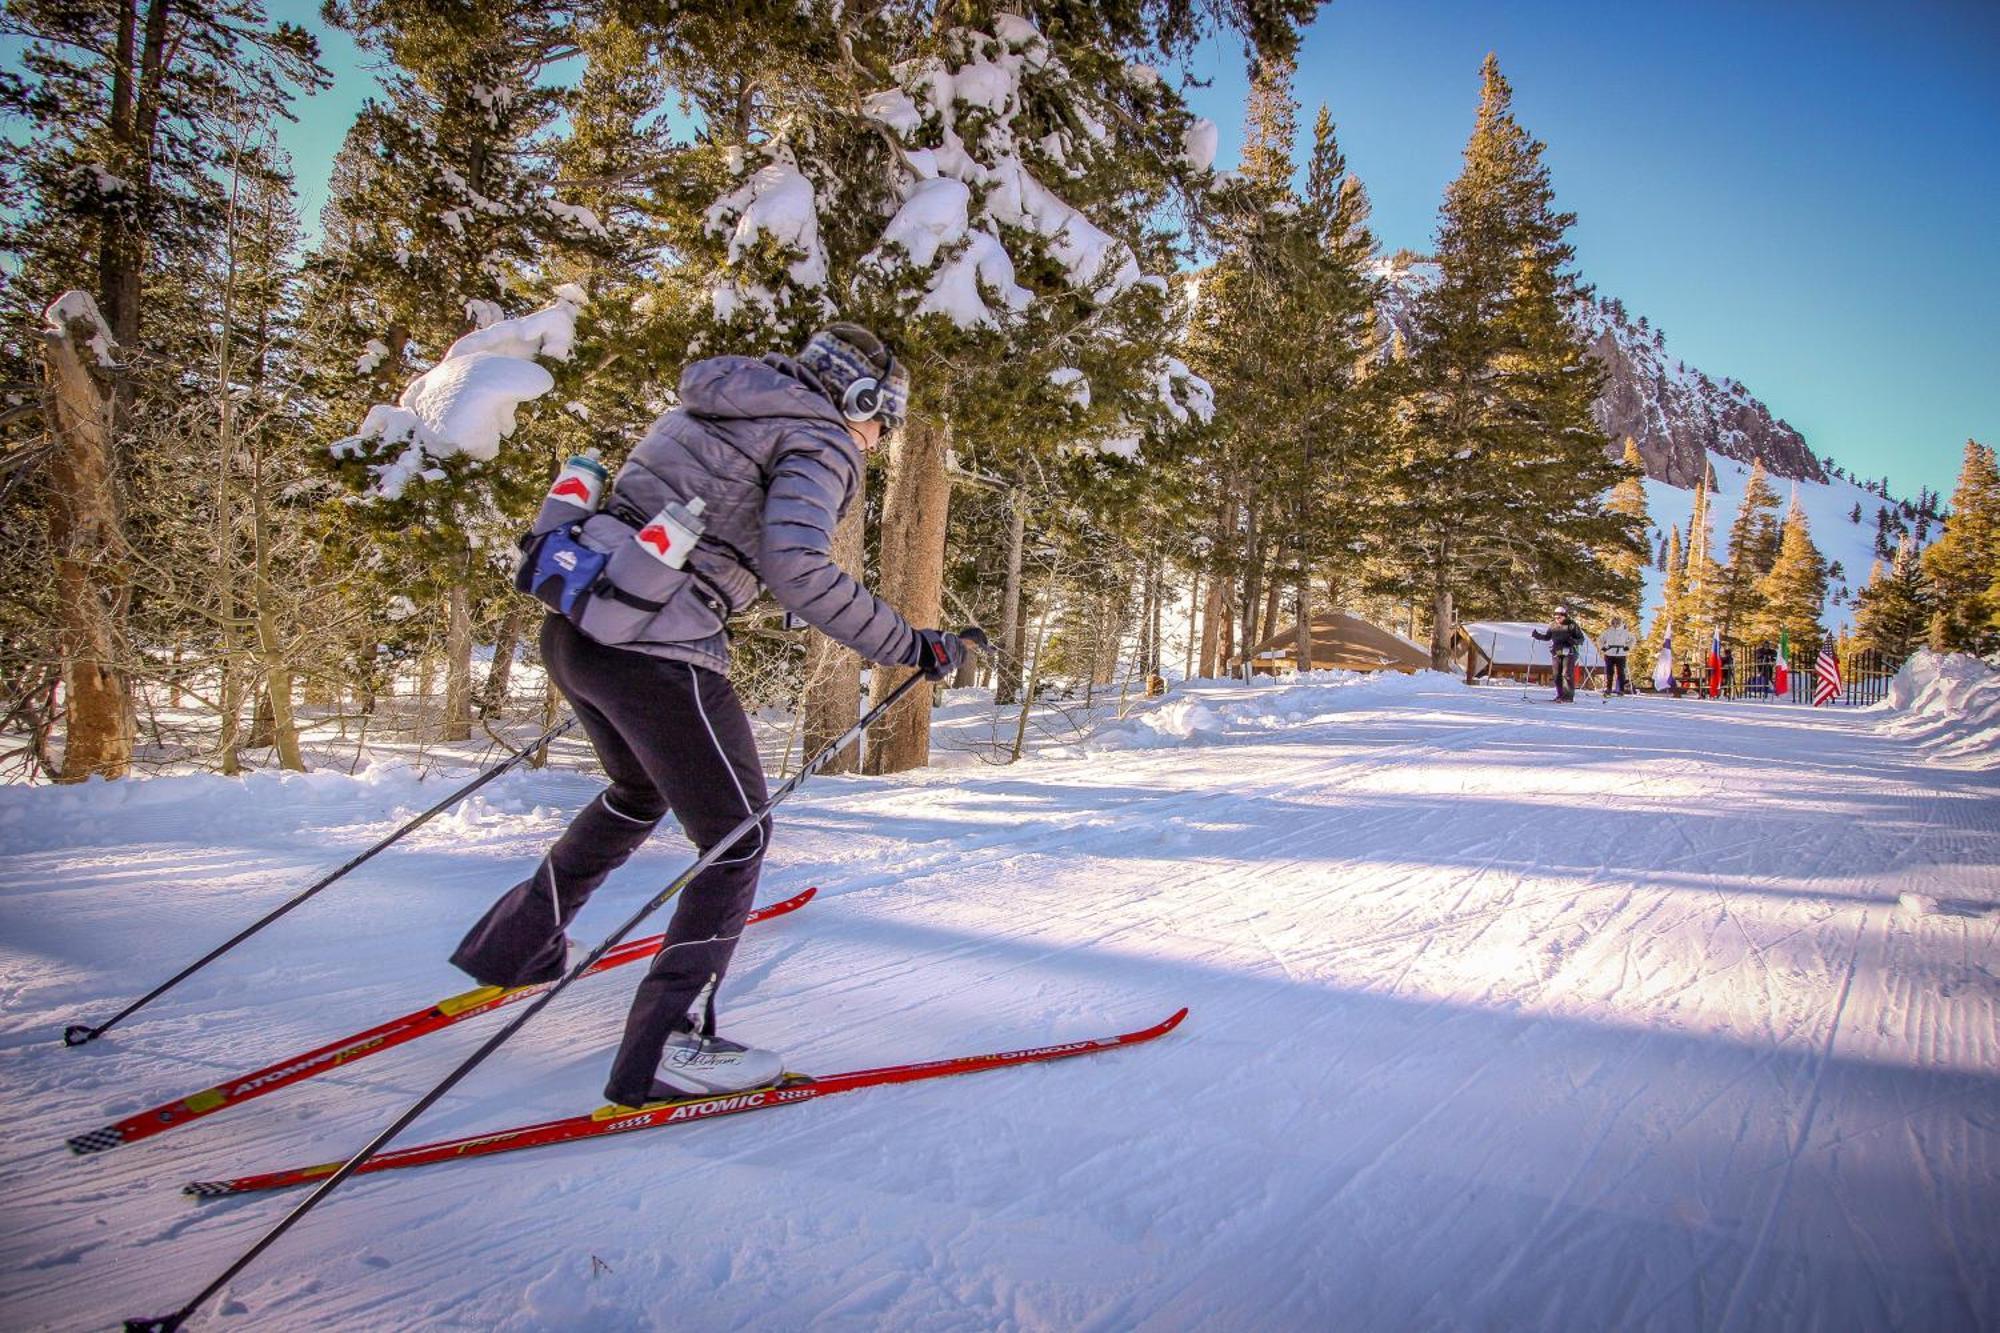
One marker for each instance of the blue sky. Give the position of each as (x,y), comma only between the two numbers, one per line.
(1803,195)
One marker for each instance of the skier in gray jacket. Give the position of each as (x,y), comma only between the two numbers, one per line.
(773,450)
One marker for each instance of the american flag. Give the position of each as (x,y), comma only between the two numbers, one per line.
(1828,672)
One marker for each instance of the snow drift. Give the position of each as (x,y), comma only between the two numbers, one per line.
(1949,704)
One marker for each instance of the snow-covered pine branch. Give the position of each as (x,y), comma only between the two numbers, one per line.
(466,403)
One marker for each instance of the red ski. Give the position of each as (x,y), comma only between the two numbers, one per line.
(659,1115)
(445,1013)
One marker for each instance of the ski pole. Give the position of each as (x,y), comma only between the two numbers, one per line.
(76,1034)
(172,1322)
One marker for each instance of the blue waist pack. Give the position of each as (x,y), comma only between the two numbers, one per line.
(559,571)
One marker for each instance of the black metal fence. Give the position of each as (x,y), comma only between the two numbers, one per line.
(1864,676)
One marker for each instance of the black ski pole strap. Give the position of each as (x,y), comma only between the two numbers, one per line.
(76,1034)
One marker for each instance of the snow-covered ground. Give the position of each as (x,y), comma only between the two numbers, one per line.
(1642,1014)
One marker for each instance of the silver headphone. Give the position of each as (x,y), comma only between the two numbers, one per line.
(863,400)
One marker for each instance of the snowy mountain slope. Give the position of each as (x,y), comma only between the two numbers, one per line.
(1504,1014)
(1681,417)
(1827,506)
(1675,412)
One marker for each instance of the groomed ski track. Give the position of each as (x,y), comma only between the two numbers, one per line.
(1612,1015)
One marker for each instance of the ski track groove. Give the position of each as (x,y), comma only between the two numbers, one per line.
(1020,898)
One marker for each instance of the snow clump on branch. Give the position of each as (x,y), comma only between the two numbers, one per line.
(466,403)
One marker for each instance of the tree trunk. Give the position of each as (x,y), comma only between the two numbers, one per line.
(263,727)
(1247,591)
(1303,649)
(86,536)
(832,696)
(1214,641)
(1159,605)
(1194,601)
(1441,627)
(1273,590)
(1034,680)
(457,724)
(272,652)
(1007,687)
(278,680)
(506,643)
(913,525)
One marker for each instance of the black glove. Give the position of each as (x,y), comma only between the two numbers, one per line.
(939,652)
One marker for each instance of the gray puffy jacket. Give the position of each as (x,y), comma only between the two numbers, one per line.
(772,462)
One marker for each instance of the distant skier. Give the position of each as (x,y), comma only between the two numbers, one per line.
(739,486)
(1616,644)
(1565,640)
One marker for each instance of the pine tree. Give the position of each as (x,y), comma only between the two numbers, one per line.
(1673,605)
(1791,595)
(1283,329)
(1964,564)
(113,185)
(1503,471)
(983,191)
(1753,546)
(1703,574)
(1628,501)
(1893,613)
(454,219)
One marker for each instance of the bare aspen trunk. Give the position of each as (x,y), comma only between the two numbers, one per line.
(86,535)
(1007,686)
(506,643)
(831,699)
(457,723)
(1159,605)
(914,511)
(278,682)
(271,650)
(263,731)
(229,738)
(1107,631)
(551,705)
(1194,601)
(1253,586)
(1034,681)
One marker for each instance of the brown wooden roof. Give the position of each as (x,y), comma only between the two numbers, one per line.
(1350,643)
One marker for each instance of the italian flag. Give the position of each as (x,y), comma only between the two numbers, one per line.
(1781,672)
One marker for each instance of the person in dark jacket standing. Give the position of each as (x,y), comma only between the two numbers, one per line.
(1565,640)
(772,451)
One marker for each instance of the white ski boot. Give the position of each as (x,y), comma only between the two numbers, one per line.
(703,1066)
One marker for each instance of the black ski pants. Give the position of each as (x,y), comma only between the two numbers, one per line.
(1565,664)
(1614,673)
(671,736)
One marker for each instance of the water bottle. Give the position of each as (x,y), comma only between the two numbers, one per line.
(575,495)
(672,533)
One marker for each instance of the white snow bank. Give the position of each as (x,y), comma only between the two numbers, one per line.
(1199,712)
(466,403)
(208,807)
(1949,705)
